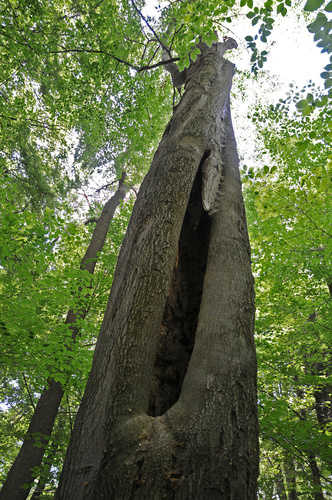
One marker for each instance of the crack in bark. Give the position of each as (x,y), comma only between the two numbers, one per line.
(177,331)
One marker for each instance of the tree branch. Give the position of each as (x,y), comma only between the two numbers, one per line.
(147,23)
(28,390)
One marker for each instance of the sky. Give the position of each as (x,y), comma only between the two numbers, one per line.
(293,56)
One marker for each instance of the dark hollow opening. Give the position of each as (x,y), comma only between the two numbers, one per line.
(177,332)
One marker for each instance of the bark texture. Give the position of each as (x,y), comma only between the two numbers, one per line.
(40,429)
(169,410)
(280,486)
(290,474)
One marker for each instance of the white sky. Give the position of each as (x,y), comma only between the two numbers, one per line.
(293,56)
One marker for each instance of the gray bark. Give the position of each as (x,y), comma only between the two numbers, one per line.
(40,428)
(290,474)
(318,490)
(280,486)
(323,394)
(133,436)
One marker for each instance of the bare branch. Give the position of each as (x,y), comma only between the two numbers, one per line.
(160,63)
(91,51)
(147,23)
(28,391)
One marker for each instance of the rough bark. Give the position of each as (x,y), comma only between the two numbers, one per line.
(318,490)
(290,474)
(280,486)
(169,409)
(40,429)
(323,394)
(323,406)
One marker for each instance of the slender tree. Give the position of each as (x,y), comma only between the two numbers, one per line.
(169,409)
(40,429)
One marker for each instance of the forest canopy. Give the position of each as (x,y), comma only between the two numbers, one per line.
(84,101)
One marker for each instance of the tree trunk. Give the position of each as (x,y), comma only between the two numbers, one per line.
(46,475)
(290,474)
(169,409)
(280,486)
(323,394)
(318,490)
(40,429)
(323,406)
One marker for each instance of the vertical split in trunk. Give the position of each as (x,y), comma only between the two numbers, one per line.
(177,332)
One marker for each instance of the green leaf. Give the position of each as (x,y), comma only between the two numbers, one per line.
(190,8)
(325,75)
(301,146)
(307,110)
(301,104)
(250,15)
(186,62)
(319,22)
(312,5)
(328,83)
(249,39)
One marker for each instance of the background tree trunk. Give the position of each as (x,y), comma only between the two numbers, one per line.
(290,474)
(280,486)
(169,410)
(40,429)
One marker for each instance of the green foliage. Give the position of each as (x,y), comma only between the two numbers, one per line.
(83,99)
(40,279)
(289,213)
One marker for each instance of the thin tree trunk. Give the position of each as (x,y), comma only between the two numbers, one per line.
(290,474)
(42,422)
(280,486)
(323,394)
(317,486)
(47,466)
(318,490)
(323,406)
(134,437)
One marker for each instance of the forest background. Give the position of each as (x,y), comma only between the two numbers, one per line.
(82,102)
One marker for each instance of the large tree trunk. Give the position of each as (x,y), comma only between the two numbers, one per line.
(169,410)
(40,429)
